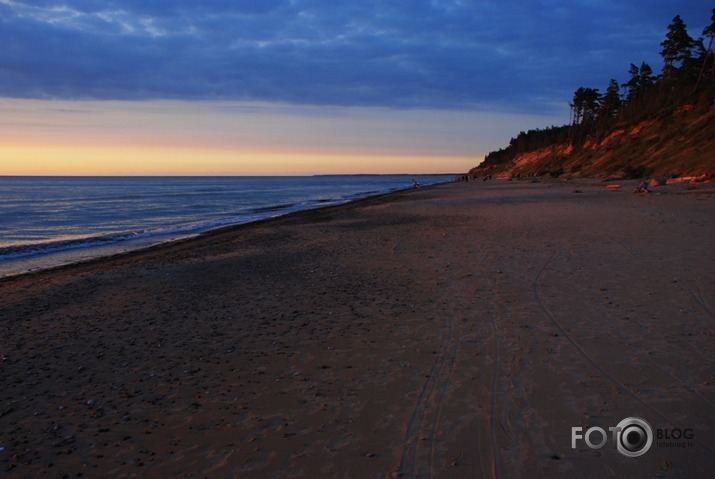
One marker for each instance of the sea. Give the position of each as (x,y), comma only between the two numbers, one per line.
(52,221)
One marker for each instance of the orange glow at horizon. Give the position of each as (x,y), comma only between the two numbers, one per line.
(99,160)
(51,137)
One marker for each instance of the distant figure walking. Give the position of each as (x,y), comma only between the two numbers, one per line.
(415,184)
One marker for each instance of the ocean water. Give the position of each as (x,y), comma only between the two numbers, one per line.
(51,221)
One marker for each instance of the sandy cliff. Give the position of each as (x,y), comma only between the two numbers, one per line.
(680,143)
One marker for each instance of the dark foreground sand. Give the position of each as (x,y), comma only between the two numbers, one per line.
(455,331)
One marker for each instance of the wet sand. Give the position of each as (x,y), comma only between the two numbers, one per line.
(453,331)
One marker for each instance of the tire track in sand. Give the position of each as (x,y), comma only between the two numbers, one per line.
(698,297)
(697,294)
(422,436)
(497,468)
(645,357)
(416,461)
(621,388)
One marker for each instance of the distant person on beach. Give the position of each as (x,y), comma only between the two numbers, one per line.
(642,188)
(415,184)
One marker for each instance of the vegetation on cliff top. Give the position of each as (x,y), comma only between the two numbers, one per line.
(686,83)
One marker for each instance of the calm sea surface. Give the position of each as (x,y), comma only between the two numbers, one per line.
(50,221)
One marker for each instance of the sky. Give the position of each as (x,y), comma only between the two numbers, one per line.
(303,86)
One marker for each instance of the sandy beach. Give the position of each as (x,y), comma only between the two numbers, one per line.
(456,331)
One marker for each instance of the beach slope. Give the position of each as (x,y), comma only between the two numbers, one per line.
(455,331)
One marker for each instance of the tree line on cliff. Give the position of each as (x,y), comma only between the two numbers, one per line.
(687,78)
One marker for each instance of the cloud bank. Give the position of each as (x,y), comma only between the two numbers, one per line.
(510,55)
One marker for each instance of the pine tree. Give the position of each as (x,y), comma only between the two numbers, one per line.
(633,83)
(641,79)
(677,51)
(645,77)
(708,60)
(585,107)
(610,103)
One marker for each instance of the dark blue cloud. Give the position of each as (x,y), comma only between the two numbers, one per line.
(475,54)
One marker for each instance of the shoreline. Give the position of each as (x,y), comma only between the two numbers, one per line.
(115,248)
(457,330)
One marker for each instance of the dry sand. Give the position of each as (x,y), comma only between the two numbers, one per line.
(454,331)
